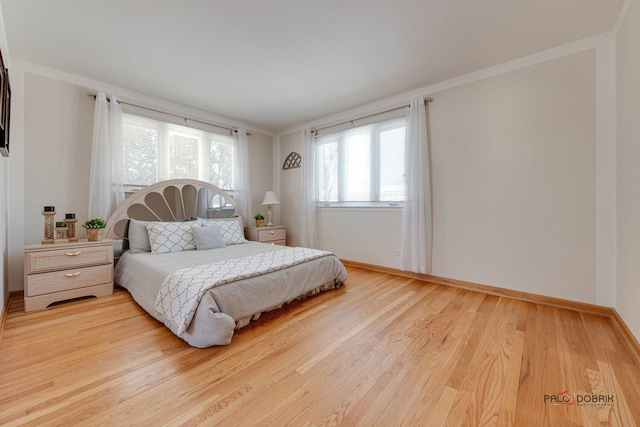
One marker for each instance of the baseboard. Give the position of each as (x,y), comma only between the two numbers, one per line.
(3,316)
(626,333)
(492,290)
(5,309)
(594,309)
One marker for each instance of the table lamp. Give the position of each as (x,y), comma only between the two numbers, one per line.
(270,199)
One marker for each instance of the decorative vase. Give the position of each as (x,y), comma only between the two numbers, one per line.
(71,226)
(95,234)
(49,224)
(259,222)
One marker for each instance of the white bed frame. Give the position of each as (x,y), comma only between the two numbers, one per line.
(174,200)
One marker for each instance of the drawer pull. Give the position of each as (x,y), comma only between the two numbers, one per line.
(273,232)
(76,274)
(73,253)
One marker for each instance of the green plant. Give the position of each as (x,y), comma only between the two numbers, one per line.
(95,223)
(259,216)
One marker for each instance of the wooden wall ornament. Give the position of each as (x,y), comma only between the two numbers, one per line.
(293,160)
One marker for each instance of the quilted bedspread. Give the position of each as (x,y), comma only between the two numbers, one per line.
(182,290)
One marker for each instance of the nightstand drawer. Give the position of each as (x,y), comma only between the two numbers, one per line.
(60,259)
(46,283)
(268,235)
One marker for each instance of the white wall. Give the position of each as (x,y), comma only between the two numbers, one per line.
(290,191)
(365,235)
(513,169)
(513,181)
(57,138)
(58,121)
(628,168)
(261,173)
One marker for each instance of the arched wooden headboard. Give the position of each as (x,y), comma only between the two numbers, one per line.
(173,200)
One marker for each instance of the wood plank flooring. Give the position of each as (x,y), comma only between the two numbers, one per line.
(382,350)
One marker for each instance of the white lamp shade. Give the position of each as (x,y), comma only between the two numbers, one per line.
(270,198)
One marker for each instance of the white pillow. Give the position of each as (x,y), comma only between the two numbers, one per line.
(165,237)
(232,229)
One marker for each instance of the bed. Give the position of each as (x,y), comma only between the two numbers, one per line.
(186,262)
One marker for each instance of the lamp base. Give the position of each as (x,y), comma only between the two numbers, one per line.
(269,216)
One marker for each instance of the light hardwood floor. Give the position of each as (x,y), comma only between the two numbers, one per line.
(382,350)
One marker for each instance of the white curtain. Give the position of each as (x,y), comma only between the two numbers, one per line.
(309,233)
(105,182)
(241,176)
(416,213)
(115,136)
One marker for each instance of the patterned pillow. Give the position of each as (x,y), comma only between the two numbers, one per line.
(232,229)
(165,237)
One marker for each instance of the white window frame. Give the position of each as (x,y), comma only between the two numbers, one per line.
(376,129)
(165,131)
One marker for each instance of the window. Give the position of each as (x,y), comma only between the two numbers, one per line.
(155,151)
(363,165)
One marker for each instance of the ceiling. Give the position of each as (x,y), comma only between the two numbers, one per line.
(279,63)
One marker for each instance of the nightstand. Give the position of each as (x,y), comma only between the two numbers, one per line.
(57,272)
(276,234)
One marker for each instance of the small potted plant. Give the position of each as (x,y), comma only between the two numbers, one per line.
(259,219)
(95,229)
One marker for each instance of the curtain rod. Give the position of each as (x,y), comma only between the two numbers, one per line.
(369,115)
(170,114)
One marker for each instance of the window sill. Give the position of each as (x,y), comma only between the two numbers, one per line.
(385,206)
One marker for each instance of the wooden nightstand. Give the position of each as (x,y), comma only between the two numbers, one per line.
(57,272)
(276,234)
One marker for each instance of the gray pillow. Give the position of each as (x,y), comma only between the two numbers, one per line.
(138,237)
(232,229)
(208,237)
